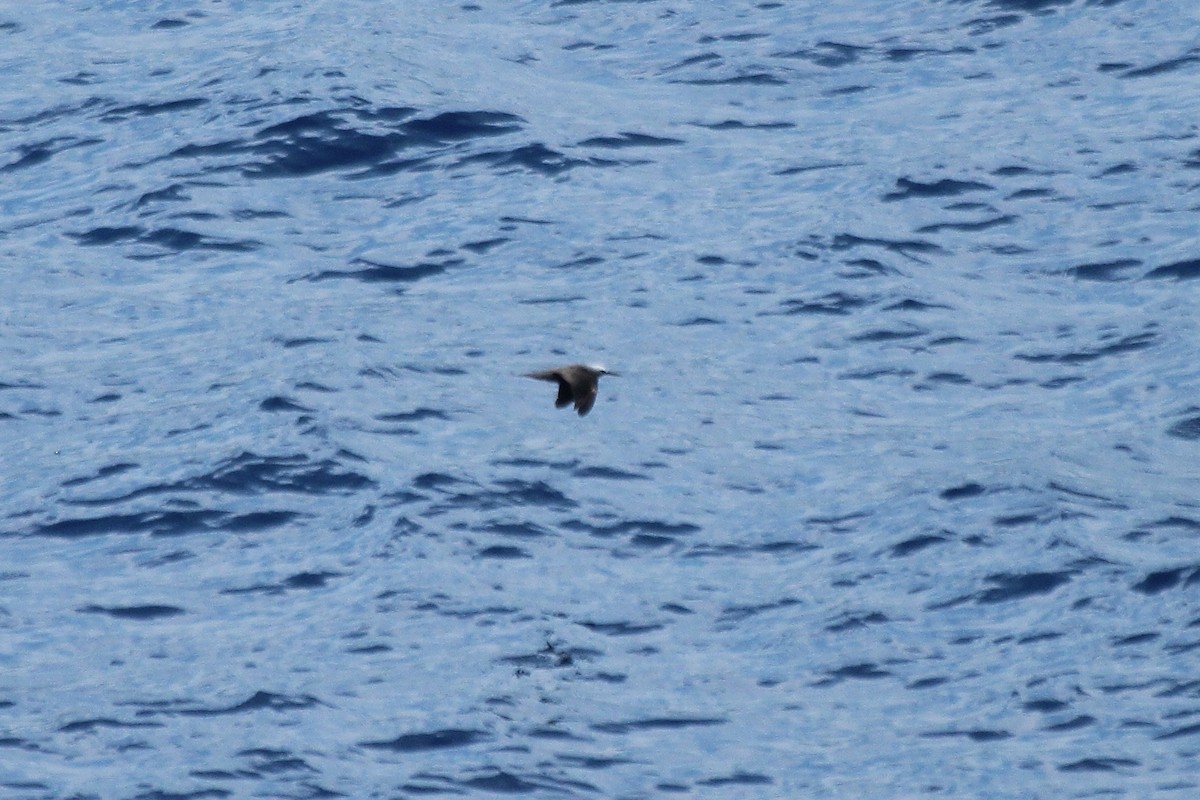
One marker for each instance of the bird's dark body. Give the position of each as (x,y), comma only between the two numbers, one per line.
(577,383)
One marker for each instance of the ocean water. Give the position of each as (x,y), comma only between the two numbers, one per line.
(896,494)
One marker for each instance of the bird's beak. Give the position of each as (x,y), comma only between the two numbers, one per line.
(614,374)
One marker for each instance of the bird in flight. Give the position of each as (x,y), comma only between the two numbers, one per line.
(577,384)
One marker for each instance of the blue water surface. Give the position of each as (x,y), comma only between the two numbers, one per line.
(896,494)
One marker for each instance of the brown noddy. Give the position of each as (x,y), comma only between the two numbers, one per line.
(576,383)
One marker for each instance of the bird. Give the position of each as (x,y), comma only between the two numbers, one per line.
(576,383)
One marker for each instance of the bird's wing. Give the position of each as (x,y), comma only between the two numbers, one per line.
(584,402)
(565,395)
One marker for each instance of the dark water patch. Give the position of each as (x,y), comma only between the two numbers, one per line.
(907,189)
(501,782)
(1135,639)
(784,547)
(1180,270)
(650,542)
(536,463)
(305,341)
(1170,65)
(703,58)
(375,272)
(904,54)
(834,303)
(89,725)
(904,247)
(484,245)
(1104,270)
(535,493)
(1073,724)
(269,761)
(738,778)
(559,300)
(316,143)
(1078,494)
(301,580)
(169,24)
(1060,382)
(157,523)
(503,552)
(1162,580)
(962,492)
(944,378)
(827,54)
(737,125)
(1180,523)
(737,613)
(259,701)
(842,523)
(1027,5)
(432,740)
(461,126)
(1045,706)
(100,474)
(329,141)
(916,544)
(416,415)
(137,613)
(1178,733)
(108,235)
(657,724)
(1098,765)
(1019,586)
(849,622)
(40,152)
(309,580)
(280,403)
(173,193)
(1126,344)
(975,735)
(610,474)
(122,113)
(740,79)
(696,321)
(886,335)
(864,671)
(553,656)
(1030,194)
(622,627)
(1014,520)
(256,521)
(798,170)
(524,530)
(173,240)
(592,762)
(506,493)
(251,473)
(629,139)
(980,225)
(435,480)
(1118,169)
(841,91)
(250,214)
(909,304)
(538,158)
(927,683)
(636,527)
